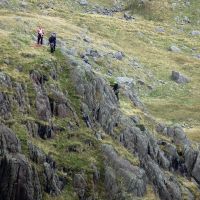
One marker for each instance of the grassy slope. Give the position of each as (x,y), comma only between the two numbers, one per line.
(138,39)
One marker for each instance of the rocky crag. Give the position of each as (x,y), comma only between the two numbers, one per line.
(64,134)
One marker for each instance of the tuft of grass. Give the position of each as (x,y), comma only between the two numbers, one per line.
(151,9)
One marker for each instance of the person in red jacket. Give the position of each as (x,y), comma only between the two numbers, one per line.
(40,33)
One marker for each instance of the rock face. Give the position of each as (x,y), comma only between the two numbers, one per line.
(53,184)
(43,107)
(19,180)
(80,186)
(179,78)
(133,178)
(155,157)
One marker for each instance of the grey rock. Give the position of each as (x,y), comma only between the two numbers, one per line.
(111,186)
(8,140)
(104,110)
(53,185)
(80,185)
(110,72)
(133,177)
(125,80)
(150,87)
(176,132)
(133,96)
(175,49)
(19,180)
(196,169)
(37,77)
(87,39)
(127,16)
(141,82)
(23,4)
(83,2)
(160,30)
(195,33)
(60,104)
(20,97)
(93,53)
(135,63)
(197,56)
(186,20)
(5,80)
(43,107)
(7,61)
(190,157)
(36,154)
(135,119)
(5,106)
(180,137)
(32,128)
(118,55)
(168,187)
(96,174)
(4,2)
(179,78)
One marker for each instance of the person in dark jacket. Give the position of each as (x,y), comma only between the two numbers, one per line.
(52,42)
(116,90)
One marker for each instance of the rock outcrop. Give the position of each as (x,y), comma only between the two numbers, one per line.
(179,78)
(155,157)
(19,180)
(122,179)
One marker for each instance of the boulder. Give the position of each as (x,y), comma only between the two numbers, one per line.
(195,33)
(127,16)
(125,81)
(179,78)
(118,55)
(83,2)
(175,49)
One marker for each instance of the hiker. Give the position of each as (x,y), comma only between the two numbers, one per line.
(87,120)
(40,33)
(52,42)
(116,90)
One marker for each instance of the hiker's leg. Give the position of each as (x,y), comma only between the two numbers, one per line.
(41,40)
(38,40)
(117,95)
